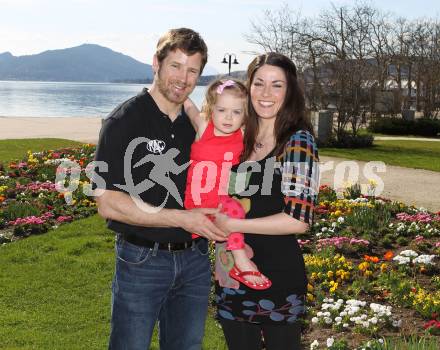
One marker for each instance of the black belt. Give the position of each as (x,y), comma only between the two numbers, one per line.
(170,246)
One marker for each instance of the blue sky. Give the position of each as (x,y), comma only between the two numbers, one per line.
(133,26)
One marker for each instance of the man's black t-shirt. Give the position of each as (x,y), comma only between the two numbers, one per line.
(137,129)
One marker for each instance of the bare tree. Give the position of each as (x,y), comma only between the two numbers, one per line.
(348,55)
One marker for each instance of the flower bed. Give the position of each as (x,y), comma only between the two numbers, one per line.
(30,202)
(373,268)
(373,264)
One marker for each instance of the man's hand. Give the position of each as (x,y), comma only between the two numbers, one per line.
(197,221)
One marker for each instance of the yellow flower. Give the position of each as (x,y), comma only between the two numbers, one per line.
(363,266)
(383,267)
(310,297)
(334,286)
(330,274)
(310,288)
(372,182)
(2,189)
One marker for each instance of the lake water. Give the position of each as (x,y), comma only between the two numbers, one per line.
(66,99)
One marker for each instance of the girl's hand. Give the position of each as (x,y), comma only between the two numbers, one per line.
(223,222)
(190,107)
(193,114)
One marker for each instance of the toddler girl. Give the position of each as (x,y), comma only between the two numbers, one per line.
(218,146)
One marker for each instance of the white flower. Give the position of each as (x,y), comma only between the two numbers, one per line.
(330,342)
(315,320)
(338,319)
(345,325)
(402,260)
(328,320)
(314,345)
(333,224)
(397,323)
(324,229)
(424,259)
(341,219)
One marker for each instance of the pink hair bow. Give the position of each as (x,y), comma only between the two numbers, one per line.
(221,87)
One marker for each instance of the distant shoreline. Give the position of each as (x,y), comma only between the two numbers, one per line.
(204,80)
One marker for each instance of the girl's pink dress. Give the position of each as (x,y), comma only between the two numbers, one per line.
(208,176)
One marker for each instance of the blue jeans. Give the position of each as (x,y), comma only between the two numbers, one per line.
(150,285)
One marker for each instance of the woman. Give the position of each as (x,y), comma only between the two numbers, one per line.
(280,147)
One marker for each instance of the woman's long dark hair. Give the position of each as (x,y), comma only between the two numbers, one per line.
(291,116)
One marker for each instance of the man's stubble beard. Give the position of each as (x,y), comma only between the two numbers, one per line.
(166,91)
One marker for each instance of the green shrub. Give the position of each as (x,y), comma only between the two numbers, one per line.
(346,139)
(398,126)
(369,220)
(353,191)
(16,209)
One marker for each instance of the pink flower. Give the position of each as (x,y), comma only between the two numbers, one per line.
(340,241)
(303,242)
(64,218)
(418,239)
(419,217)
(29,220)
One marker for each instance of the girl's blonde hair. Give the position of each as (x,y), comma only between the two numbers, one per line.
(219,86)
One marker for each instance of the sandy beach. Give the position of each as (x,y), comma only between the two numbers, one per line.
(72,128)
(412,186)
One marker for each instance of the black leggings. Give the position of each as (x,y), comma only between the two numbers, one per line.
(248,336)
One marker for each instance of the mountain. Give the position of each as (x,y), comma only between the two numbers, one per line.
(87,63)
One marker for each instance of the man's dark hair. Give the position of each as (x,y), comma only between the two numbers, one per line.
(184,39)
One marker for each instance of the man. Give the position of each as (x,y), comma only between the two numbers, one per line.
(161,274)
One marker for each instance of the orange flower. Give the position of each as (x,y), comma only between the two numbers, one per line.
(373,259)
(388,255)
(2,198)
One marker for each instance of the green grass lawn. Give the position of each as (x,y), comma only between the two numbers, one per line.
(410,154)
(56,288)
(17,148)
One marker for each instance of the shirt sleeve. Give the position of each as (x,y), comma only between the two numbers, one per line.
(109,157)
(300,176)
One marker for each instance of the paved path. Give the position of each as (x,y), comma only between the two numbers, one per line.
(401,138)
(411,186)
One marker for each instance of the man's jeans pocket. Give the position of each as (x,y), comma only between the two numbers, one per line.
(202,247)
(131,253)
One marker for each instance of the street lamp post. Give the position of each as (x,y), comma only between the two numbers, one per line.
(229,55)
